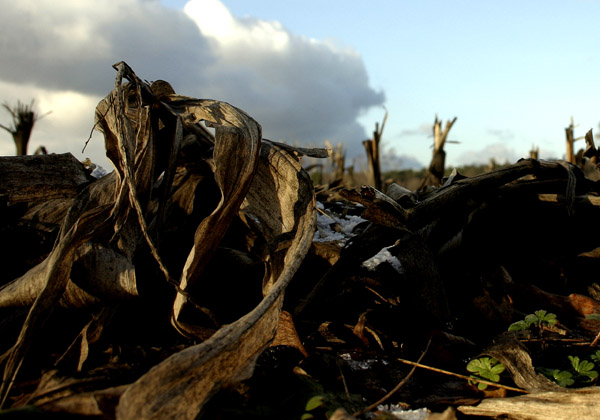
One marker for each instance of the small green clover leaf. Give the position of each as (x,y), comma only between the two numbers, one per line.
(518,326)
(561,377)
(596,356)
(531,319)
(542,317)
(314,402)
(486,368)
(538,319)
(574,362)
(583,368)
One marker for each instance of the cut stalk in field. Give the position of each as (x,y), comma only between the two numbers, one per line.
(372,150)
(435,173)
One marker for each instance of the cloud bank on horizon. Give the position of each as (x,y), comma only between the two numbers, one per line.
(60,53)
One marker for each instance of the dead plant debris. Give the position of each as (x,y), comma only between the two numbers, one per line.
(198,280)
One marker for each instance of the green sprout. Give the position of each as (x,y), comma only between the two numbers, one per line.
(312,404)
(538,319)
(485,368)
(584,369)
(581,371)
(563,378)
(596,356)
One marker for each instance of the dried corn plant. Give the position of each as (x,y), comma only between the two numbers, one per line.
(146,292)
(162,228)
(435,172)
(372,150)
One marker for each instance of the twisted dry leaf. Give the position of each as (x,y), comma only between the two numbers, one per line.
(235,159)
(281,205)
(92,215)
(55,271)
(266,187)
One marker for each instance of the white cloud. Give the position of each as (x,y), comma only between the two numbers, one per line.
(500,152)
(424,130)
(391,160)
(502,134)
(66,120)
(61,52)
(215,21)
(299,89)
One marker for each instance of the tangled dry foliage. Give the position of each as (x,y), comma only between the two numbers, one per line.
(171,200)
(157,292)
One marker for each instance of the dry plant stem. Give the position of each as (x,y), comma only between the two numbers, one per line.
(125,71)
(579,404)
(128,186)
(58,266)
(595,341)
(372,150)
(397,387)
(435,172)
(236,157)
(458,375)
(346,390)
(198,372)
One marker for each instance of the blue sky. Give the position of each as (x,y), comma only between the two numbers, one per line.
(513,72)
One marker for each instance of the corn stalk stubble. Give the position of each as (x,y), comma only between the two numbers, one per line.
(112,215)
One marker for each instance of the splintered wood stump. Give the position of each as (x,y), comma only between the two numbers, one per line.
(435,172)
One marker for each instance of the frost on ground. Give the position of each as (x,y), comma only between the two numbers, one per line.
(332,227)
(362,364)
(99,172)
(383,256)
(399,413)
